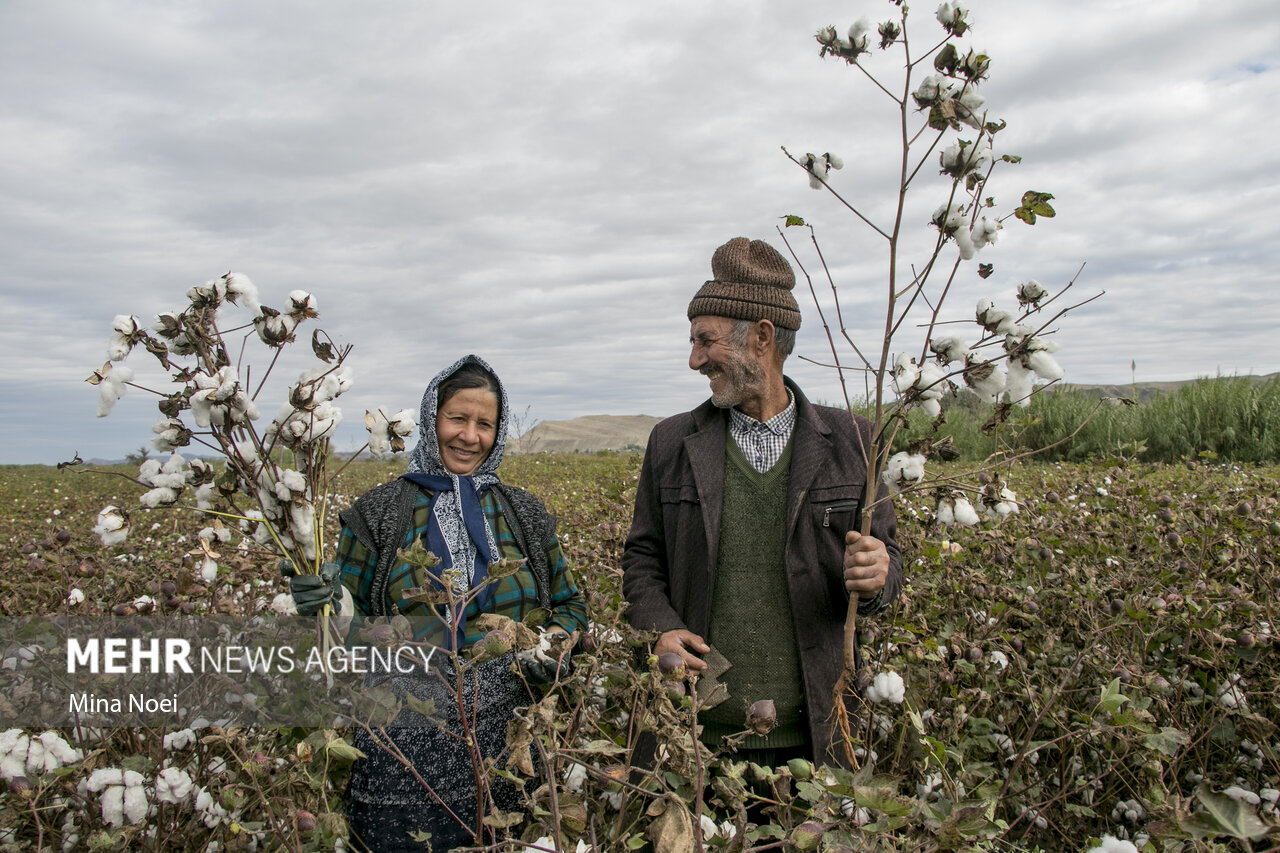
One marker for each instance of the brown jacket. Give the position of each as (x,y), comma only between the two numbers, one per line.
(670,555)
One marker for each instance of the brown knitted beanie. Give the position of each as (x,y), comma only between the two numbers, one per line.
(750,281)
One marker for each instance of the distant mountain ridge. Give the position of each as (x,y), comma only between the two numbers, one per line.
(588,434)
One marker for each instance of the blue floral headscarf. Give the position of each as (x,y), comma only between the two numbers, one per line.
(458,533)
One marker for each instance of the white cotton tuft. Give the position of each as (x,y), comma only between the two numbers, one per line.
(949,349)
(858,34)
(112,526)
(157,497)
(817,170)
(1111,844)
(1031,293)
(965,514)
(929,91)
(112,386)
(209,570)
(1044,365)
(903,470)
(945,513)
(905,373)
(284,605)
(173,786)
(1019,383)
(986,232)
(123,330)
(995,320)
(886,687)
(179,739)
(302,304)
(244,292)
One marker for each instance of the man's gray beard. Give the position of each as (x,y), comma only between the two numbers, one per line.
(745,378)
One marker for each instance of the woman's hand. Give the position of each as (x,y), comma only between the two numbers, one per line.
(312,592)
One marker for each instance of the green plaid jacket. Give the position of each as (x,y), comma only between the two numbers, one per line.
(515,596)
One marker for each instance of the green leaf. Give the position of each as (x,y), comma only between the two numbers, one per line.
(947,59)
(603,747)
(1168,741)
(883,800)
(341,750)
(1224,816)
(1112,698)
(791,219)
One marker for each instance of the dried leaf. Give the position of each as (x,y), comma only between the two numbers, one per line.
(322,349)
(672,828)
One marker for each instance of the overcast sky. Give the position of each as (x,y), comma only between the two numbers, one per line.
(544,183)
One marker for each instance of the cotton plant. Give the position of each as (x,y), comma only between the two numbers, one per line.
(212,407)
(950,145)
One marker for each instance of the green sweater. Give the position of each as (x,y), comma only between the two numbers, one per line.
(750,606)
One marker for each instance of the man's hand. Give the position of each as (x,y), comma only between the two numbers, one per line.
(866,564)
(684,643)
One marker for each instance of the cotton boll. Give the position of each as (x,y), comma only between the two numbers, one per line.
(945,513)
(149,470)
(1031,293)
(965,514)
(244,292)
(284,605)
(931,381)
(161,496)
(986,232)
(124,334)
(995,320)
(929,91)
(817,170)
(905,374)
(903,469)
(886,687)
(209,571)
(302,304)
(1044,365)
(949,349)
(172,786)
(858,36)
(1018,383)
(112,526)
(1111,844)
(111,381)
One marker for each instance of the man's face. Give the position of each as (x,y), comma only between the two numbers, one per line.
(736,376)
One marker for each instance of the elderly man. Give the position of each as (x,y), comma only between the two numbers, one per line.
(744,548)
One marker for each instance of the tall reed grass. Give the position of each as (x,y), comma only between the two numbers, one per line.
(1234,419)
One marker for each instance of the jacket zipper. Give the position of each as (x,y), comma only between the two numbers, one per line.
(826,513)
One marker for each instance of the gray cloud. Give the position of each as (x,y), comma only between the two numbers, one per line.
(544,186)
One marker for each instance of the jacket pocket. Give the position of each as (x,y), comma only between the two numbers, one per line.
(678,494)
(833,512)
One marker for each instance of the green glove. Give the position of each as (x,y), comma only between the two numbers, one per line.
(542,673)
(312,592)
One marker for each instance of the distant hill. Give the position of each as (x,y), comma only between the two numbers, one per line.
(588,434)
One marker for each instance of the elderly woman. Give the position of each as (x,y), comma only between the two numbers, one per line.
(452,501)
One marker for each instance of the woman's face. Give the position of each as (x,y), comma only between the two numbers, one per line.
(466,426)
